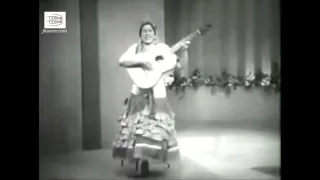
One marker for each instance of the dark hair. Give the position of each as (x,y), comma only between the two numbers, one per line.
(126,101)
(147,23)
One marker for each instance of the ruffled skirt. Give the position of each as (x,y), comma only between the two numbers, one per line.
(146,131)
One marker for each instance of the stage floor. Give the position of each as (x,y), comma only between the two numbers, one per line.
(207,153)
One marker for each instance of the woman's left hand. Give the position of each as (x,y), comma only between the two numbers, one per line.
(185,45)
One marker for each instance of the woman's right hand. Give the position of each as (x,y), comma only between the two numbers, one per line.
(147,65)
(148,61)
(145,61)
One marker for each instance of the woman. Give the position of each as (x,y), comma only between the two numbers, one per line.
(147,128)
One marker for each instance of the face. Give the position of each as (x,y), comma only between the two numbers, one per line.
(147,34)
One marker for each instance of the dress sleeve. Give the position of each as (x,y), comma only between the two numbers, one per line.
(132,57)
(129,54)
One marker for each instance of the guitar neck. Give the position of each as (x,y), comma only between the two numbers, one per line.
(178,45)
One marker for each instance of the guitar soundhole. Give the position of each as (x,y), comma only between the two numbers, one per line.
(159,58)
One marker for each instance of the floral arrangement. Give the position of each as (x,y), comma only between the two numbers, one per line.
(227,82)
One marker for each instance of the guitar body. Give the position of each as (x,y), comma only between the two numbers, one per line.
(146,79)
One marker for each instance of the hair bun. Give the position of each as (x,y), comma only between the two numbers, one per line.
(148,22)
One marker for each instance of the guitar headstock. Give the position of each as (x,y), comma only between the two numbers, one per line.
(204,29)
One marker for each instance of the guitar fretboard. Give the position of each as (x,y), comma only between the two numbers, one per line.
(178,45)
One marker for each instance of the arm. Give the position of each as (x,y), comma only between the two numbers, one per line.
(184,58)
(131,59)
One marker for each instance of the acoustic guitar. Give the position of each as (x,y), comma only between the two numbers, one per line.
(166,60)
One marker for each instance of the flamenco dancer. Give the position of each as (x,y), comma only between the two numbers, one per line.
(147,127)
